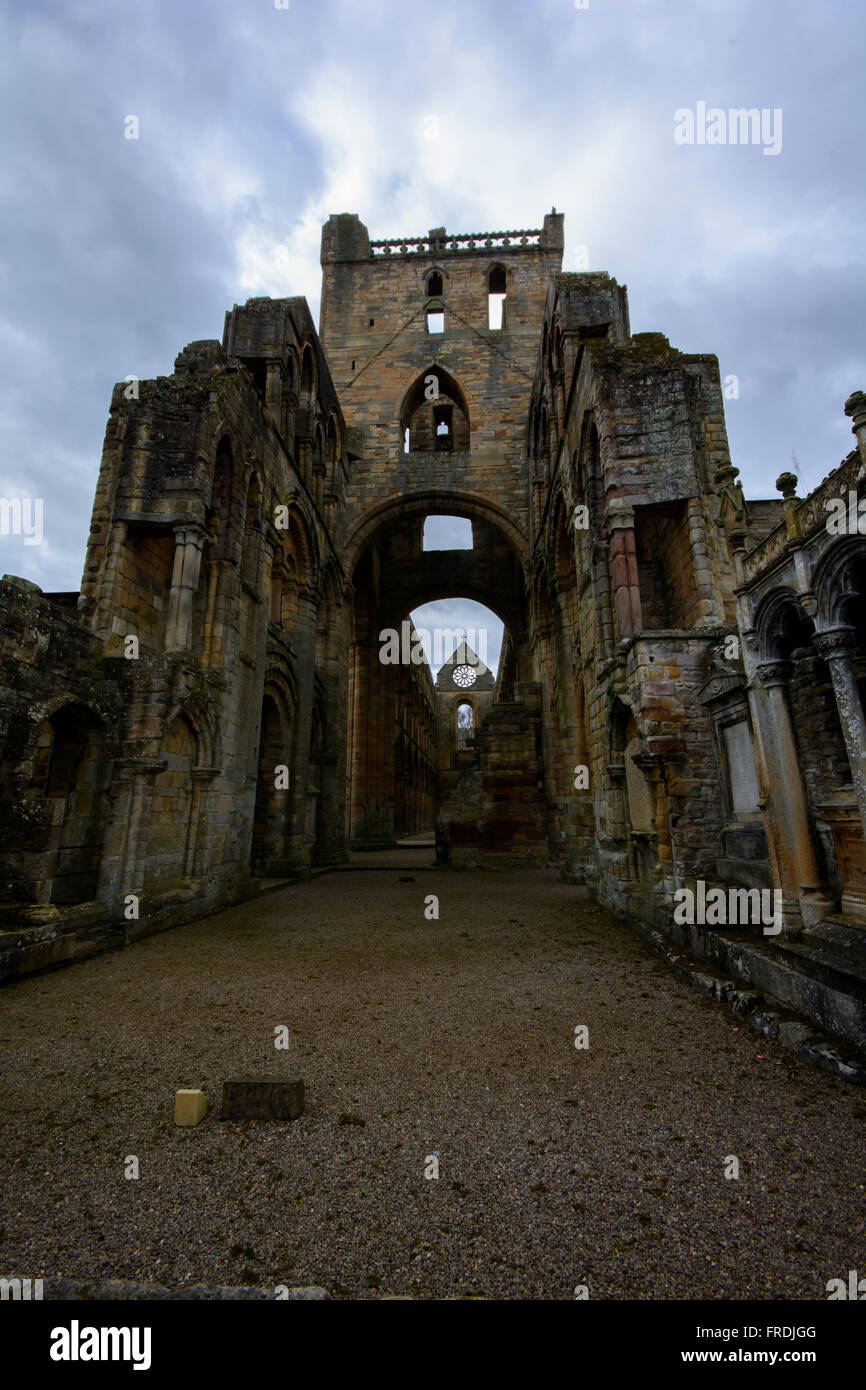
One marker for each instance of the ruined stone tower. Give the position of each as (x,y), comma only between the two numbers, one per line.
(678,697)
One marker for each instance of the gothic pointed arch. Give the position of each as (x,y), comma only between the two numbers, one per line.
(782,625)
(839,583)
(309,373)
(224,516)
(435,413)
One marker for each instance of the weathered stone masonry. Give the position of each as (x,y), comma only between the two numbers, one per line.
(680,694)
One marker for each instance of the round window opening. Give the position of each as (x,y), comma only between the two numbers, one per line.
(464,676)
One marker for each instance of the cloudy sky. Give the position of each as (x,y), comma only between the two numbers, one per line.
(256,122)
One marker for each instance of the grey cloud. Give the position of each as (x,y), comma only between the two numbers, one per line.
(114,253)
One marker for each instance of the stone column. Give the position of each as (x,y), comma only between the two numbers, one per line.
(201,853)
(189,542)
(559,393)
(836,647)
(304,641)
(360,698)
(222,613)
(138,775)
(785,797)
(708,610)
(289,412)
(380,828)
(273,576)
(619,519)
(106,583)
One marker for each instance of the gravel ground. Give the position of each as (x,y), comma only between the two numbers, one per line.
(558,1166)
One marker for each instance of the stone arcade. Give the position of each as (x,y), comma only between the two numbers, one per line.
(211,710)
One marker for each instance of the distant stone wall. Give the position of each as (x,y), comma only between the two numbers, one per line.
(492,810)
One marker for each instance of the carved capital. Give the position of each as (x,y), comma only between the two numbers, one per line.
(190,533)
(771,673)
(619,515)
(835,645)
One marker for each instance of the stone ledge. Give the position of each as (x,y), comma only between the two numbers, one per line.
(48,936)
(764,1013)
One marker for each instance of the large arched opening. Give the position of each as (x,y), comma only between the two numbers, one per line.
(412,608)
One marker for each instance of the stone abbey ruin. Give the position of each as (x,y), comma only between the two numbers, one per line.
(679,699)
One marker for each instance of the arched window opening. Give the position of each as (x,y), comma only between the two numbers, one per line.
(273,789)
(434,285)
(465,726)
(276,603)
(318,451)
(333,448)
(73,727)
(223,514)
(496,287)
(307,381)
(851,608)
(792,630)
(434,399)
(557,348)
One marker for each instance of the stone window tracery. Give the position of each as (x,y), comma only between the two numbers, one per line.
(464,676)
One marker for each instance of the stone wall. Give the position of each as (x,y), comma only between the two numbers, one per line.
(492,808)
(214,709)
(180,730)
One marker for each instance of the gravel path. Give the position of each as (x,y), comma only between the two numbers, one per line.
(558,1166)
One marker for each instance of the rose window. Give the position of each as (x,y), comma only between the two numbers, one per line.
(464,676)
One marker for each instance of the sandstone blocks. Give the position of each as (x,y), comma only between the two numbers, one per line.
(189,1107)
(262,1098)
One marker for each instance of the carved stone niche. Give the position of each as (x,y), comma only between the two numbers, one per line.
(843,816)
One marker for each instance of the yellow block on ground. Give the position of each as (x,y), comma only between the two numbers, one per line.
(189,1107)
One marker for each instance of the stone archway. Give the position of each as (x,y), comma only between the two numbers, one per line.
(76,783)
(392,577)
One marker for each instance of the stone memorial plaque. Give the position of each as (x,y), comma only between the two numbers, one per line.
(741,767)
